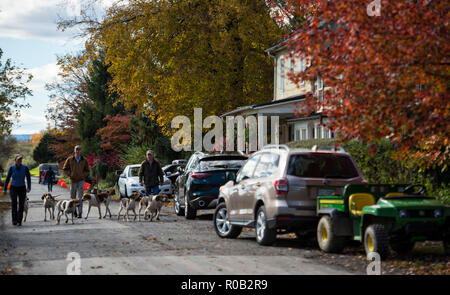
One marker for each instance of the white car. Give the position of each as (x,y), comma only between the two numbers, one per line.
(129,182)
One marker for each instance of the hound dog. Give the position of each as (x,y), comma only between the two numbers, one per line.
(66,206)
(144,201)
(96,199)
(154,208)
(49,205)
(25,209)
(129,204)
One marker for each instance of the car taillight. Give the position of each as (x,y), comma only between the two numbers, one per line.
(281,187)
(200,175)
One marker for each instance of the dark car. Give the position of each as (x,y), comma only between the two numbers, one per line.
(44,168)
(197,186)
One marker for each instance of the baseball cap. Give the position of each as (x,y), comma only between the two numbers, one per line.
(18,156)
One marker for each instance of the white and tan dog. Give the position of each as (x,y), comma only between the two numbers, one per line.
(65,207)
(154,208)
(129,204)
(144,201)
(96,200)
(49,205)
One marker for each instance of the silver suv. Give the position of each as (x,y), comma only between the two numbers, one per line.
(275,191)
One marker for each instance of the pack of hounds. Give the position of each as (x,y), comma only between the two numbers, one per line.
(151,204)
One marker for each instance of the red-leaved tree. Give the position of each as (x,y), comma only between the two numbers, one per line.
(387,67)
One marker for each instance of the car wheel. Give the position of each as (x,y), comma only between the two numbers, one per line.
(222,224)
(264,235)
(376,239)
(327,240)
(402,247)
(176,206)
(189,211)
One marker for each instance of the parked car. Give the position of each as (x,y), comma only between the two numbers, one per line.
(170,175)
(382,216)
(129,182)
(44,168)
(276,191)
(197,187)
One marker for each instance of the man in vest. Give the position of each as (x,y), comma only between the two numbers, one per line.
(77,168)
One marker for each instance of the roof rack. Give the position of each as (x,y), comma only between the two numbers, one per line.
(276,146)
(328,148)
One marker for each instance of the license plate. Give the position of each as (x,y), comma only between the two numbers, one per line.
(325,192)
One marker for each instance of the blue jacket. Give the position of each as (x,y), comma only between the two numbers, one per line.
(18,175)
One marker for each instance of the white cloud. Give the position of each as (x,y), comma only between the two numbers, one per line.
(43,75)
(29,124)
(25,19)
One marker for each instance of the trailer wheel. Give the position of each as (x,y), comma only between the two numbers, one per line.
(376,239)
(326,238)
(402,247)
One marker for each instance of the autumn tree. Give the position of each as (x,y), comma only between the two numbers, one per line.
(168,57)
(116,134)
(13,87)
(387,75)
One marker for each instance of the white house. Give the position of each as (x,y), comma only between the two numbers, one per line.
(285,97)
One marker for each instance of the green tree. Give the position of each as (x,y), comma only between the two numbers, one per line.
(43,153)
(100,104)
(12,87)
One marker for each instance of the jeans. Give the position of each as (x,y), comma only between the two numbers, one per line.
(50,185)
(152,190)
(77,188)
(21,194)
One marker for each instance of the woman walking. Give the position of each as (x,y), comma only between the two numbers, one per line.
(17,174)
(49,178)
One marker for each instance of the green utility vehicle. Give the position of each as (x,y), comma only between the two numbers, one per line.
(380,216)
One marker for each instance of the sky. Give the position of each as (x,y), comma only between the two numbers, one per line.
(30,38)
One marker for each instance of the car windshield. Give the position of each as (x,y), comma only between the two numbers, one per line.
(211,164)
(134,172)
(322,166)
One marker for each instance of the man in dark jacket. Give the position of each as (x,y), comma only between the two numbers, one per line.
(77,168)
(18,173)
(50,178)
(149,173)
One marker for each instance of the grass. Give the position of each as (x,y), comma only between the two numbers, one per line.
(35,171)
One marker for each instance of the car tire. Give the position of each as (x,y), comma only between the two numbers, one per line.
(402,247)
(327,240)
(221,223)
(189,212)
(265,236)
(177,207)
(376,239)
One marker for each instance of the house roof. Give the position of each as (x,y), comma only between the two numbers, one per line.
(264,105)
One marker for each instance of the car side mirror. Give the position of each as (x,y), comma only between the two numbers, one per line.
(231,176)
(180,170)
(122,176)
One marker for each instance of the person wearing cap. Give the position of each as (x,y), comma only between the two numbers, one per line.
(17,174)
(149,174)
(77,168)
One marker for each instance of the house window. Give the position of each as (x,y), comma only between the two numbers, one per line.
(302,69)
(282,77)
(317,131)
(304,134)
(319,88)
